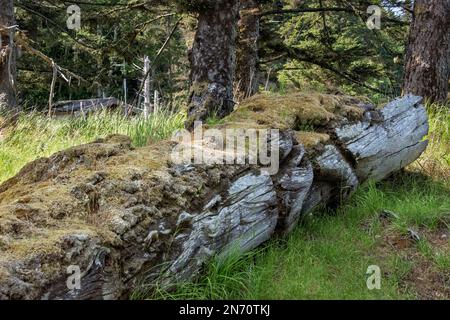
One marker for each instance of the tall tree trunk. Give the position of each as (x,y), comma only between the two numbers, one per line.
(213,60)
(247,50)
(7,57)
(427,65)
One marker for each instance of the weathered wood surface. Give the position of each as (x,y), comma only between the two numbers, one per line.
(74,107)
(127,216)
(396,139)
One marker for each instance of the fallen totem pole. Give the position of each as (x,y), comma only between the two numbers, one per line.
(122,215)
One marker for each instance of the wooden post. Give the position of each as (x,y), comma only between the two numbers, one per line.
(52,89)
(156,102)
(266,87)
(170,55)
(125,90)
(147,103)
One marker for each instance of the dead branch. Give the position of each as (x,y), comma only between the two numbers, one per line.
(23,41)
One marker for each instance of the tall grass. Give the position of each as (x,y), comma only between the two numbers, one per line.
(439,119)
(226,278)
(34,135)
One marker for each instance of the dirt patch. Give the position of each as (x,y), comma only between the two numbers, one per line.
(428,282)
(439,238)
(424,278)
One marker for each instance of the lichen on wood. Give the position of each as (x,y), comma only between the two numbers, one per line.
(125,214)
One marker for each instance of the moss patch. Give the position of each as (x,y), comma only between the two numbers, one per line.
(311,139)
(294,111)
(57,196)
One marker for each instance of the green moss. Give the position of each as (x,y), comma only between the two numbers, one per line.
(293,111)
(36,213)
(198,87)
(311,139)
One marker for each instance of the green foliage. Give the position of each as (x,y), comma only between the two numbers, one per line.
(194,6)
(336,52)
(328,51)
(109,47)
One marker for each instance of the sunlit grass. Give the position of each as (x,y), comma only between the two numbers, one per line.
(35,135)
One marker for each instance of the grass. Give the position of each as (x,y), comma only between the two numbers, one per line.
(36,136)
(328,255)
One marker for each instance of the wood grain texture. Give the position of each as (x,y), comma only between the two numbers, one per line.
(129,217)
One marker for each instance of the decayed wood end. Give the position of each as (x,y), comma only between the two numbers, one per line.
(392,143)
(84,107)
(129,216)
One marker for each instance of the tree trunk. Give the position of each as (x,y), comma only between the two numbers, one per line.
(212,61)
(247,50)
(7,57)
(427,65)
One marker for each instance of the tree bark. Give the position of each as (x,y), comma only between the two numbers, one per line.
(213,60)
(247,50)
(427,65)
(8,101)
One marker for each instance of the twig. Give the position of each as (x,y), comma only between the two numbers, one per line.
(103,4)
(141,27)
(2,29)
(305,57)
(272,59)
(351,9)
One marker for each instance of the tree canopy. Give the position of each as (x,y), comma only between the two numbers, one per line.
(317,45)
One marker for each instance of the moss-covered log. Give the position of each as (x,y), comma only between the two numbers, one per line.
(125,216)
